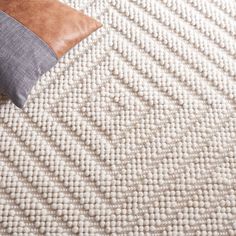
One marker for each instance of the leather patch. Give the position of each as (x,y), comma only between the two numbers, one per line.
(57,24)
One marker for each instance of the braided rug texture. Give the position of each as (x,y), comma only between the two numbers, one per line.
(133,132)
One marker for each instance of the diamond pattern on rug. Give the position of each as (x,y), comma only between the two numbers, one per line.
(133,132)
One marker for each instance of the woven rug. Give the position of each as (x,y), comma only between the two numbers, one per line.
(133,132)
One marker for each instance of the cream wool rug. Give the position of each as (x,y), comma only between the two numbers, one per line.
(133,132)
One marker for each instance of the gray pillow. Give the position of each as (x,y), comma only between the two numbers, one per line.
(24,57)
(33,36)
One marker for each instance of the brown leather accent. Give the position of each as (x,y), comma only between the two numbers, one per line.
(59,25)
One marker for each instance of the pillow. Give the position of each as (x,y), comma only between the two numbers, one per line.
(34,35)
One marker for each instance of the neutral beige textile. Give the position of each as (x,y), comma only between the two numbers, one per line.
(134,132)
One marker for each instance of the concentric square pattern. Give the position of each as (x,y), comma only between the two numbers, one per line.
(133,132)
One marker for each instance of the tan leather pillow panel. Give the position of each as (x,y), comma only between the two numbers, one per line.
(60,26)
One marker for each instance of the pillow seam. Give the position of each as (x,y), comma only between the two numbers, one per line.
(36,35)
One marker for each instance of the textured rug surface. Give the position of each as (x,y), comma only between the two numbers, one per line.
(133,132)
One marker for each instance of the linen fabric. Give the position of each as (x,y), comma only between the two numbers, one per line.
(24,57)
